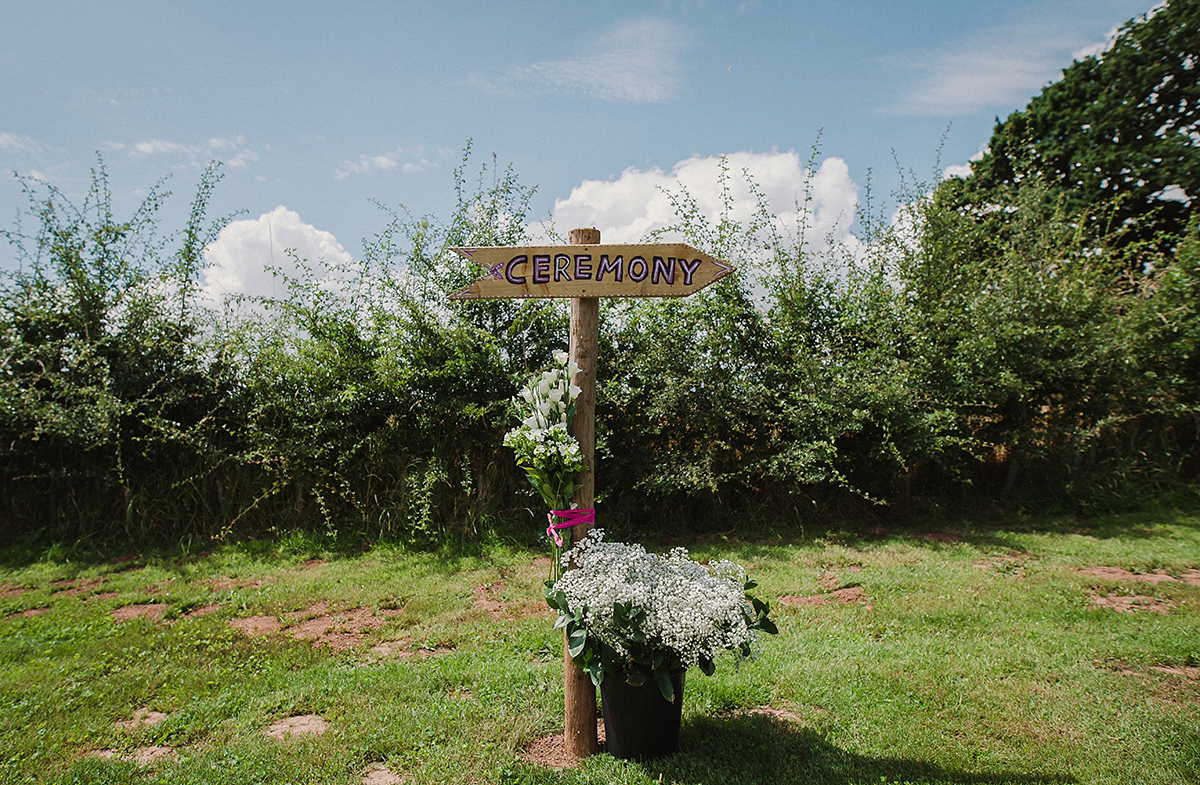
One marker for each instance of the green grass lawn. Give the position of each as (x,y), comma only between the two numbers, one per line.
(965,653)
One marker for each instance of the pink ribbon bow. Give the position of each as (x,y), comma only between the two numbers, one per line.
(569,518)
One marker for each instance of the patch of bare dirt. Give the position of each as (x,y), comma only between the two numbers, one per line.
(404,650)
(142,718)
(1132,604)
(256,625)
(149,610)
(1192,674)
(848,595)
(543,561)
(1121,574)
(301,725)
(782,715)
(1190,577)
(551,751)
(203,610)
(308,563)
(487,598)
(311,612)
(142,756)
(378,774)
(340,631)
(225,584)
(33,611)
(104,595)
(827,580)
(7,591)
(73,588)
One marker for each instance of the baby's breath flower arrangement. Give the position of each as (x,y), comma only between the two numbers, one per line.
(549,455)
(645,616)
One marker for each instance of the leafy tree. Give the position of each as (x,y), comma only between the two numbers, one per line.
(1120,130)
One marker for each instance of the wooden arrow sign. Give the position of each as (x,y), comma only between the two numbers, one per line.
(668,270)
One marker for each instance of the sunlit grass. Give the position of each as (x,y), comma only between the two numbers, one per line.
(973,655)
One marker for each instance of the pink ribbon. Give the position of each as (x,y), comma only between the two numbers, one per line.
(569,518)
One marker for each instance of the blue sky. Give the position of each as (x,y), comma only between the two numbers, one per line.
(319,108)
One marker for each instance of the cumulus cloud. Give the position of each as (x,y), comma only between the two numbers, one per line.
(997,67)
(626,209)
(635,61)
(964,170)
(239,261)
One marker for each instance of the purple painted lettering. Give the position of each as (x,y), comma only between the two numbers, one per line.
(664,271)
(616,267)
(635,263)
(582,271)
(541,269)
(560,267)
(509,275)
(689,269)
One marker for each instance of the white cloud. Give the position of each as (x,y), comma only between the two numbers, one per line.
(233,151)
(242,159)
(11,143)
(1001,66)
(964,170)
(239,260)
(638,202)
(1097,48)
(159,147)
(635,61)
(367,164)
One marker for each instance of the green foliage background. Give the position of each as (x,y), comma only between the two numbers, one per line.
(1009,340)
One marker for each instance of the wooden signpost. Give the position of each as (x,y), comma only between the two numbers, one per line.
(585,271)
(590,270)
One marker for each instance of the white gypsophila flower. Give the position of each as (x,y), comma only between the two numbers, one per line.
(693,611)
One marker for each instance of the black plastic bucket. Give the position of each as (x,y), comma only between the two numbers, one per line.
(639,724)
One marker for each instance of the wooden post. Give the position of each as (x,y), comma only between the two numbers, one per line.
(579,727)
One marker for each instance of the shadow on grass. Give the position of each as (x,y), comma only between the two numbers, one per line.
(758,748)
